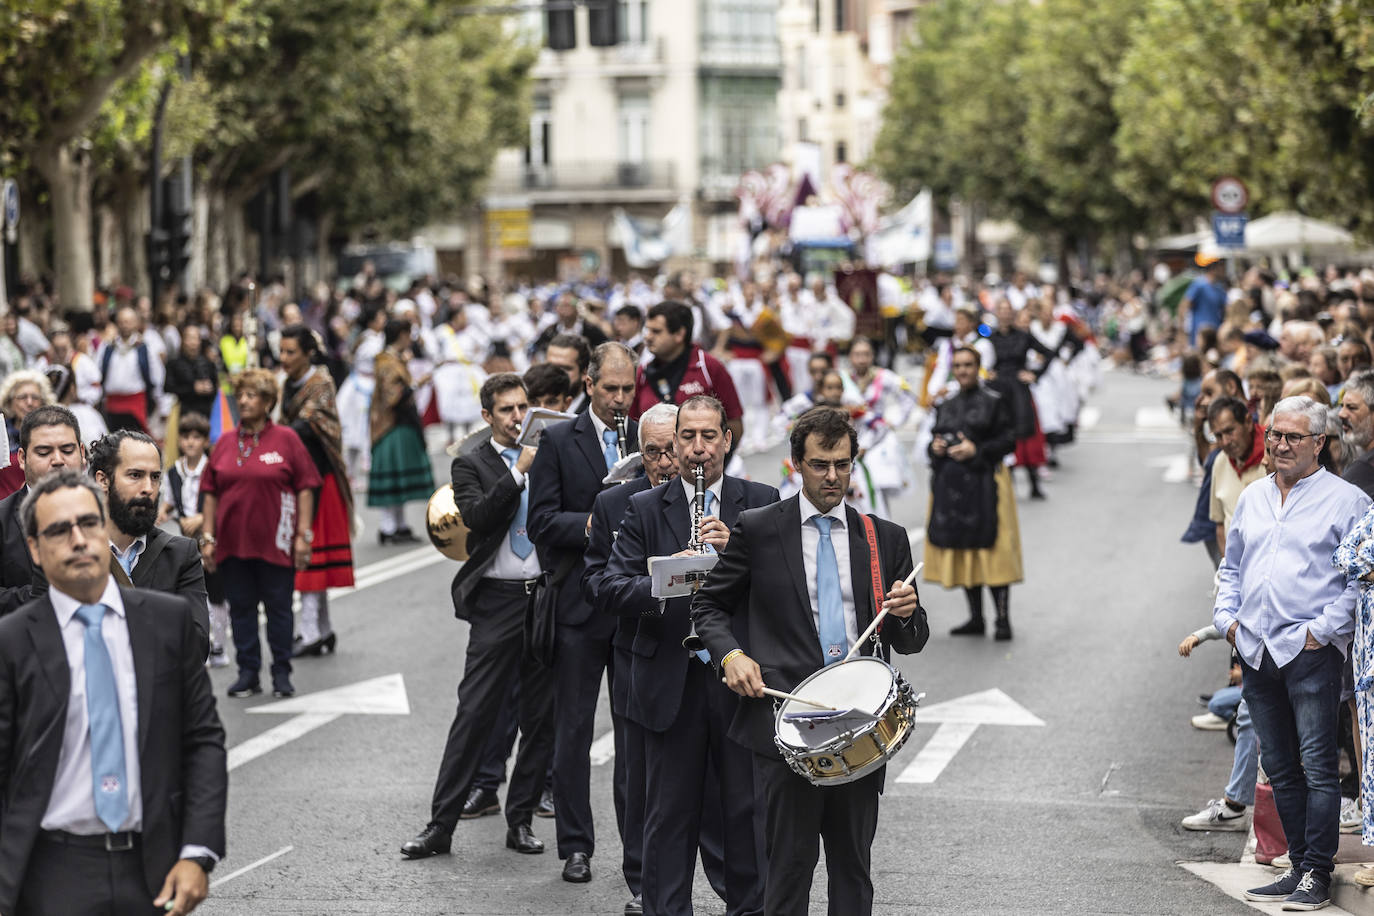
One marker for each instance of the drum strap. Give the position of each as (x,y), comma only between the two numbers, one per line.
(871,535)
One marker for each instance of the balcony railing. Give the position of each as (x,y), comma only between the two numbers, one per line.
(583,176)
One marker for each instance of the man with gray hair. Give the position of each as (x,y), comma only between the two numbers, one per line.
(1290,615)
(1357,430)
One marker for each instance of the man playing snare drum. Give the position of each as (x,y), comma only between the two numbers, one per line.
(804,564)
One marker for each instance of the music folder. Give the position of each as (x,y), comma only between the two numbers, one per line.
(538,420)
(679,577)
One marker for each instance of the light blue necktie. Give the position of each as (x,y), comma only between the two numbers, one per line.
(611,437)
(834,642)
(520,543)
(107,733)
(128,558)
(702,653)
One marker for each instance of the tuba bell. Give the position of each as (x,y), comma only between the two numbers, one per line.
(445,525)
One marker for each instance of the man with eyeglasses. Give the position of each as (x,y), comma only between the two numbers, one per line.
(794,588)
(675,695)
(49,440)
(608,513)
(1289,612)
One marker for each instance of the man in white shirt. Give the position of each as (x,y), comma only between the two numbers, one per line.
(131,374)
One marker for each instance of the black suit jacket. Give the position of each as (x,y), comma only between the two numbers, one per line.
(756,600)
(20,580)
(488,499)
(608,512)
(564,482)
(180,740)
(658,524)
(171,564)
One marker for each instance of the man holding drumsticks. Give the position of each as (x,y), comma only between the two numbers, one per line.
(805,565)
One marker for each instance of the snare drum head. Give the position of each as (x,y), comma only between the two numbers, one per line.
(861,684)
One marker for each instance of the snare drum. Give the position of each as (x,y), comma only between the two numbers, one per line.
(832,753)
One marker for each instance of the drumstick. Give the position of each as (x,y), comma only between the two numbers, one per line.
(769,691)
(854,650)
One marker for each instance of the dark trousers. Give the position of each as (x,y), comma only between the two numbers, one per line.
(629,796)
(799,817)
(584,656)
(246,584)
(495,660)
(1296,712)
(491,772)
(678,770)
(63,880)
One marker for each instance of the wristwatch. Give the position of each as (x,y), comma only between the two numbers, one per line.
(206,863)
(207,539)
(307,536)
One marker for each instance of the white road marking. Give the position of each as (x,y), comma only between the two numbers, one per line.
(1088,417)
(1156,418)
(959,719)
(273,738)
(603,749)
(250,866)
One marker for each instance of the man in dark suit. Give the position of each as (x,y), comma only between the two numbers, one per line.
(49,440)
(112,760)
(676,694)
(660,464)
(795,589)
(572,354)
(490,591)
(128,465)
(566,477)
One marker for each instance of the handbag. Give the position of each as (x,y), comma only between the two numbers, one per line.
(541,610)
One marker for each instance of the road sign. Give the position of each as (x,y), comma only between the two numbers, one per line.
(1229,194)
(379,696)
(1229,229)
(959,719)
(9,197)
(945,256)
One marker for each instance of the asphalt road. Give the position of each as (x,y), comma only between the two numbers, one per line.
(1076,815)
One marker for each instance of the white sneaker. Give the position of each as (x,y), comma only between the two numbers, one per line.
(1352,817)
(1282,861)
(1209,722)
(218,658)
(1216,816)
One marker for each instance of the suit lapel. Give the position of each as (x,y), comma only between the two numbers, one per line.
(495,465)
(143,645)
(118,572)
(731,501)
(157,542)
(789,536)
(51,652)
(860,570)
(677,512)
(584,434)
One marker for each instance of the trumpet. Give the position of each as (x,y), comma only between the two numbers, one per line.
(622,434)
(692,642)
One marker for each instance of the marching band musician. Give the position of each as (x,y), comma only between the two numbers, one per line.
(660,464)
(812,549)
(676,695)
(490,591)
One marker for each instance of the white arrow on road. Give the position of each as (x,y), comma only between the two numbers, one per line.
(959,719)
(378,696)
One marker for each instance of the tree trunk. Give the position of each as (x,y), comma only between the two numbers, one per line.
(131,199)
(68,173)
(197,272)
(216,241)
(33,240)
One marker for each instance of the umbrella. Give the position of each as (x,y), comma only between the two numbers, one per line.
(1171,293)
(1287,230)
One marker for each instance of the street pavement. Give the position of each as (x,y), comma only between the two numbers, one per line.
(1065,799)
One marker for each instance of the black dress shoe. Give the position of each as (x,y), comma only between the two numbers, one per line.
(480,803)
(635,907)
(522,839)
(431,841)
(545,808)
(971,628)
(578,868)
(246,686)
(281,687)
(404,536)
(324,646)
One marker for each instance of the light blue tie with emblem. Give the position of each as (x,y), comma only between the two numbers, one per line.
(611,437)
(107,733)
(520,543)
(834,642)
(702,653)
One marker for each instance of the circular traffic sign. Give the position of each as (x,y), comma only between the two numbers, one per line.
(1229,194)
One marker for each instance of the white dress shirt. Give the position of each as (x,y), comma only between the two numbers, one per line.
(190,486)
(689,487)
(72,804)
(124,376)
(505,564)
(839,539)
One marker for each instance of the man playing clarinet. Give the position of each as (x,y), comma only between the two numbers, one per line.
(805,566)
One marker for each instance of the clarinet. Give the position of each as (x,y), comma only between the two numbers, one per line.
(692,642)
(622,433)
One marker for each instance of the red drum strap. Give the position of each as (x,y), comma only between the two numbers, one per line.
(871,536)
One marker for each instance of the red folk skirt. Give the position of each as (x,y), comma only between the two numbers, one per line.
(331,556)
(1031,451)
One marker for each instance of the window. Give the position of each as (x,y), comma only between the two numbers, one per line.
(801,129)
(841,151)
(841,15)
(540,147)
(816,16)
(633,22)
(634,128)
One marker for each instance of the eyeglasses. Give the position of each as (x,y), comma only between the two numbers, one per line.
(89,525)
(823,467)
(653,454)
(1272,436)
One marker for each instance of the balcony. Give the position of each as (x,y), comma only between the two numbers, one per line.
(603,181)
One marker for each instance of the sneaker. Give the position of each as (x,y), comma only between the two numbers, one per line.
(246,685)
(1209,722)
(1283,885)
(1352,817)
(1313,893)
(281,686)
(1282,861)
(1216,816)
(218,658)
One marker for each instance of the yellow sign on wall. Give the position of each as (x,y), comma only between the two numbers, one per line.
(508,228)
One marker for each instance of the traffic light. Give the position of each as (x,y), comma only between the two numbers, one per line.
(179,247)
(159,253)
(561,28)
(603,23)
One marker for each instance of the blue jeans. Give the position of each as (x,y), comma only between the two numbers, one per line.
(1224,702)
(1296,711)
(1245,762)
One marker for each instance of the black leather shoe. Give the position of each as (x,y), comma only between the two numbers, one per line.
(246,686)
(578,868)
(522,839)
(1003,632)
(315,649)
(635,907)
(404,536)
(431,841)
(480,803)
(971,628)
(545,808)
